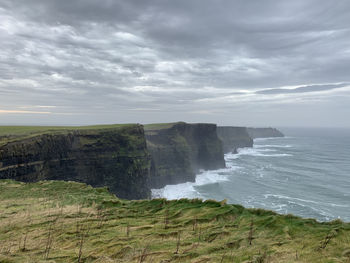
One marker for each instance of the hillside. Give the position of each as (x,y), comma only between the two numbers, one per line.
(55,221)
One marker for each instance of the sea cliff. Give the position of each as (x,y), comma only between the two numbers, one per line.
(255,133)
(233,138)
(180,150)
(114,156)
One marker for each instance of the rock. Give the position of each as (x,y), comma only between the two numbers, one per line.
(180,150)
(233,138)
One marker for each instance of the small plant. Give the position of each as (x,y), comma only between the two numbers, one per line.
(166,219)
(178,243)
(127,230)
(24,242)
(222,258)
(194,224)
(8,250)
(199,234)
(327,239)
(143,255)
(100,218)
(83,233)
(251,232)
(23,248)
(49,242)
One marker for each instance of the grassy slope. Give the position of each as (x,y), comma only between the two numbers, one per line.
(54,220)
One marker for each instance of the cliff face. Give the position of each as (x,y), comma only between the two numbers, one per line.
(179,150)
(112,157)
(233,138)
(264,133)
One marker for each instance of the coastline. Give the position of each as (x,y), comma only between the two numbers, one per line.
(272,175)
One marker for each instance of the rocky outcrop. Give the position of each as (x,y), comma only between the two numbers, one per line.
(114,157)
(233,138)
(264,132)
(180,149)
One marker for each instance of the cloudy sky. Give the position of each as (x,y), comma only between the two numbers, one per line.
(232,62)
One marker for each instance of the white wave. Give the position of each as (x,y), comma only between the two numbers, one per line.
(303,200)
(265,139)
(272,146)
(260,152)
(187,190)
(231,156)
(272,138)
(290,198)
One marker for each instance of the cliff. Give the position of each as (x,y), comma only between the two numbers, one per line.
(233,138)
(264,133)
(180,149)
(114,156)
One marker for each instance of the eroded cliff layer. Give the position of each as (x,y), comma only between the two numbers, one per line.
(264,132)
(114,156)
(180,149)
(233,138)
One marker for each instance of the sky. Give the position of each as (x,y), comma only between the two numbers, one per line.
(231,62)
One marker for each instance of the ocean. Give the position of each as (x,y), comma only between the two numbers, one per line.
(306,173)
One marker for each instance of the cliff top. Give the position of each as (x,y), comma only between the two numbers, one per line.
(9,133)
(58,221)
(160,126)
(264,132)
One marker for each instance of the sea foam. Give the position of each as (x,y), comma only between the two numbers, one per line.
(188,190)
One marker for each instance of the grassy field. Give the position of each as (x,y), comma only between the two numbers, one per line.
(54,221)
(24,130)
(11,133)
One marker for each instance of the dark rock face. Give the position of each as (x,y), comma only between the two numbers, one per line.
(233,138)
(264,132)
(179,151)
(116,158)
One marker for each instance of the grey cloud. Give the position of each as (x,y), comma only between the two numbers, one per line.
(91,57)
(304,89)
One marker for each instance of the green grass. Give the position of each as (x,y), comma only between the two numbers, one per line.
(10,133)
(51,221)
(159,126)
(23,130)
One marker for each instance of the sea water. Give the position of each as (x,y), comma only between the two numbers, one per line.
(306,173)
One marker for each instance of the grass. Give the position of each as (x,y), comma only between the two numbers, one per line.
(10,133)
(159,126)
(54,221)
(23,130)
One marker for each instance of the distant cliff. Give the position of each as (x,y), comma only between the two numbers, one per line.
(264,132)
(180,149)
(233,138)
(114,156)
